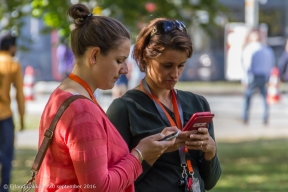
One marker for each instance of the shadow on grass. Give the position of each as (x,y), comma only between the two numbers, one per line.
(246,166)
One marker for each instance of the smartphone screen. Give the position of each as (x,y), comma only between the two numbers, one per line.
(170,137)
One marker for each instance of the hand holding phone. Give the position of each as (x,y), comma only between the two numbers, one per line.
(199,119)
(171,136)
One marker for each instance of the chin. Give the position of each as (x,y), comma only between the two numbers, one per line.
(170,87)
(107,87)
(110,86)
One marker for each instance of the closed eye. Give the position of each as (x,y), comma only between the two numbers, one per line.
(121,61)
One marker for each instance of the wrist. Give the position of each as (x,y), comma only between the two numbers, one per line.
(138,154)
(208,156)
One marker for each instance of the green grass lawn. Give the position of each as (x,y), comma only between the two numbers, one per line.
(253,166)
(249,166)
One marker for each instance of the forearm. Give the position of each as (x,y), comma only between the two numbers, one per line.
(21,109)
(116,178)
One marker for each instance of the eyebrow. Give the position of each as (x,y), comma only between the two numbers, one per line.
(169,62)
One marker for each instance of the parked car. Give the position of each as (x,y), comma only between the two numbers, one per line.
(204,66)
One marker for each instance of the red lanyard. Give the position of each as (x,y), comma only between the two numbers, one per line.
(175,108)
(86,87)
(171,121)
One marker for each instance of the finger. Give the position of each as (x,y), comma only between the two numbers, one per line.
(166,144)
(203,130)
(157,136)
(173,129)
(196,143)
(201,144)
(190,132)
(199,137)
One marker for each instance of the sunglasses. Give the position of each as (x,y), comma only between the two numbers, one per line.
(167,26)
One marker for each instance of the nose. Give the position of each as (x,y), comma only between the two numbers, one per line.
(175,73)
(124,68)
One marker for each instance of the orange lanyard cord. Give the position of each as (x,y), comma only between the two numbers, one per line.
(177,117)
(189,166)
(86,87)
(175,108)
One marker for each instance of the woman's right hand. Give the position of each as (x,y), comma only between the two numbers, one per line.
(151,148)
(180,140)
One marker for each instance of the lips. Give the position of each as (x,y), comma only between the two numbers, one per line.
(172,81)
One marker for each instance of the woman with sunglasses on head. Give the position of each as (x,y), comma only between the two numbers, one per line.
(191,164)
(87,152)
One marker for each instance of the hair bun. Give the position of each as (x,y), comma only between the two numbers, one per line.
(79,13)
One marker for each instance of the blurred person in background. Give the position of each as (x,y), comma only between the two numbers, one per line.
(283,65)
(258,60)
(10,74)
(65,59)
(121,86)
(130,80)
(161,51)
(135,75)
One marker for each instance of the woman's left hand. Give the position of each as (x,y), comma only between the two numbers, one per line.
(202,141)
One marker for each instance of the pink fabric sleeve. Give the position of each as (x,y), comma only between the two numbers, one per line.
(100,156)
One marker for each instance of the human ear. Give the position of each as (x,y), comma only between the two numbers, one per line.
(93,54)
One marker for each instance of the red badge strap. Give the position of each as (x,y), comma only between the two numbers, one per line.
(171,121)
(86,87)
(178,123)
(189,166)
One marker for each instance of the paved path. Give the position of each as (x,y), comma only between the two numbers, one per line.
(227,122)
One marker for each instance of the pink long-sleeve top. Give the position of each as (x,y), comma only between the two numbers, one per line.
(87,153)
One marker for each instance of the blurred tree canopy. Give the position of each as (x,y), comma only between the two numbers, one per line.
(132,13)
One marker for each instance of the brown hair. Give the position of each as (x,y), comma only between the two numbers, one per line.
(99,31)
(151,44)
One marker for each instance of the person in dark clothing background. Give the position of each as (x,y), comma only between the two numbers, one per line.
(161,51)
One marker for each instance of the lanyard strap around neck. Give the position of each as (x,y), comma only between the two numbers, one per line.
(83,84)
(161,109)
(86,87)
(178,112)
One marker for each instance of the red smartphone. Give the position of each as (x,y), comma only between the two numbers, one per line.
(199,119)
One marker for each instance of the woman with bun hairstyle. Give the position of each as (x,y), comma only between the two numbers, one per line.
(87,152)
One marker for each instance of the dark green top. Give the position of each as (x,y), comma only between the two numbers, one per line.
(136,116)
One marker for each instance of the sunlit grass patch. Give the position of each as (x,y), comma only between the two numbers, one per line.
(253,166)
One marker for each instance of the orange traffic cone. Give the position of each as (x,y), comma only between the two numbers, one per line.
(28,84)
(273,91)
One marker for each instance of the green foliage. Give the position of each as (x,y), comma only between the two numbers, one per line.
(11,13)
(132,13)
